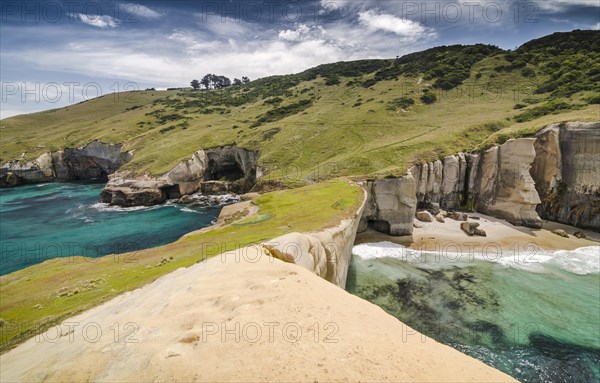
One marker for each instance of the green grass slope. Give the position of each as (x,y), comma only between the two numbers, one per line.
(362,118)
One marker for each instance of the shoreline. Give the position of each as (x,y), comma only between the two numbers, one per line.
(501,235)
(177,358)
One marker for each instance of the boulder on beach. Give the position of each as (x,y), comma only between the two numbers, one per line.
(457,216)
(472,228)
(561,232)
(424,216)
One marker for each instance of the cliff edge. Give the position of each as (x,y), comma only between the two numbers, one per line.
(242,316)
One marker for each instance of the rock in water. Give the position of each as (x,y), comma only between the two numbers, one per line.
(439,217)
(561,232)
(580,235)
(424,216)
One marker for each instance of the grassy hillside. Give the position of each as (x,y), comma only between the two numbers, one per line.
(40,296)
(363,118)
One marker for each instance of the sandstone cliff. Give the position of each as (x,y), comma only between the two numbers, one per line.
(566,171)
(496,182)
(391,204)
(238,317)
(95,161)
(211,171)
(326,253)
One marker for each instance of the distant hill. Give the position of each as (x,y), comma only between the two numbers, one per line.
(363,118)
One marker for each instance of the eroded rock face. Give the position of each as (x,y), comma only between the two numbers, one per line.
(513,196)
(441,182)
(566,171)
(391,205)
(96,161)
(495,182)
(326,253)
(220,170)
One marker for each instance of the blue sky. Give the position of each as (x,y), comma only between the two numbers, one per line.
(54,53)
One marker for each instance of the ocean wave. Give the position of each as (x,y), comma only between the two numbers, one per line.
(202,200)
(104,207)
(582,261)
(188,210)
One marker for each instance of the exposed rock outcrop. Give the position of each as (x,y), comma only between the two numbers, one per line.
(556,175)
(327,253)
(512,195)
(566,171)
(95,161)
(219,170)
(391,204)
(496,182)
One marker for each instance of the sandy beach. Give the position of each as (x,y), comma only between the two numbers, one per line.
(242,317)
(500,235)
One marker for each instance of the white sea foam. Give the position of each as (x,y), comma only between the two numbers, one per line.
(106,207)
(211,200)
(188,210)
(585,260)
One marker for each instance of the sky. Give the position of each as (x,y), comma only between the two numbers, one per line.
(55,53)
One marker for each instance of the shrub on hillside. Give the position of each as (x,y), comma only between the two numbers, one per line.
(527,72)
(404,102)
(282,112)
(429,97)
(332,80)
(594,100)
(552,107)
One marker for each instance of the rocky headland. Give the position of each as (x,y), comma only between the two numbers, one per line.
(227,169)
(93,162)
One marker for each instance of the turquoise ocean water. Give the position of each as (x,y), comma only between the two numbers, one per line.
(46,221)
(537,320)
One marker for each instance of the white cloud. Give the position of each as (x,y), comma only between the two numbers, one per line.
(298,34)
(596,27)
(302,33)
(168,58)
(390,23)
(98,21)
(560,5)
(133,10)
